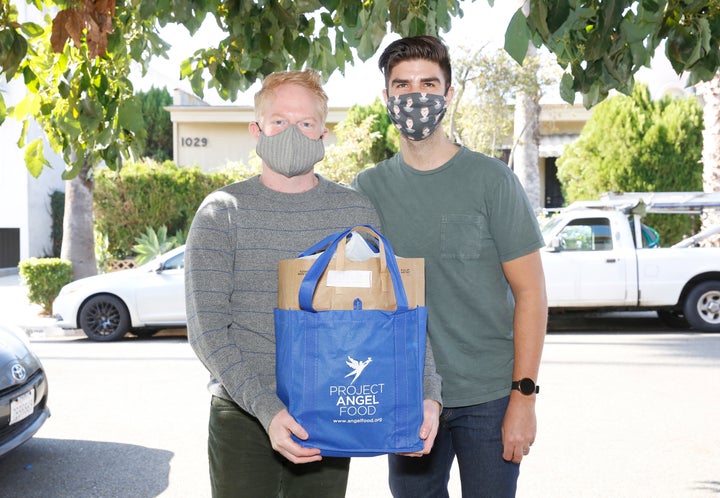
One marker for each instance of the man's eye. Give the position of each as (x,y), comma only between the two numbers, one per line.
(278,122)
(306,125)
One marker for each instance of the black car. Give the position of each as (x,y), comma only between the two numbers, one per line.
(23,390)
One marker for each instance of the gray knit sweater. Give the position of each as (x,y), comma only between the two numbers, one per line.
(239,234)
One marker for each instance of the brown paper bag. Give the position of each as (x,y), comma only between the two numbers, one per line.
(345,280)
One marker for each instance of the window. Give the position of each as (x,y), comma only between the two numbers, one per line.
(177,262)
(587,234)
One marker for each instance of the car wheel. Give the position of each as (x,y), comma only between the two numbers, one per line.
(104,318)
(673,319)
(702,306)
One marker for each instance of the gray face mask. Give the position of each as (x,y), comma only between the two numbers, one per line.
(290,152)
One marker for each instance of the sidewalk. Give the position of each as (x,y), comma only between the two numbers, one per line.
(16,310)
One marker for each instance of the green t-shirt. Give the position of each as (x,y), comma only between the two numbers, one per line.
(465,218)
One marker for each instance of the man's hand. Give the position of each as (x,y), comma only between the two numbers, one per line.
(429,427)
(279,430)
(519,427)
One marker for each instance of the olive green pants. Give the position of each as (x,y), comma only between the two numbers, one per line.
(243,464)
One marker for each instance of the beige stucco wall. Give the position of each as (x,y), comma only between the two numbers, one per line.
(212,145)
(212,137)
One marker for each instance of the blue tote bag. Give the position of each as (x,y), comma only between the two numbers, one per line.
(353,378)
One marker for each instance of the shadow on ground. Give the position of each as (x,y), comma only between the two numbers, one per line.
(100,469)
(611,321)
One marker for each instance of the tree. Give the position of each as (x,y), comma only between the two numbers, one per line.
(710,96)
(387,141)
(353,151)
(526,148)
(488,84)
(601,44)
(480,116)
(635,144)
(158,143)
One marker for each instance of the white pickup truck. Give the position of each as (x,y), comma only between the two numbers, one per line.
(595,259)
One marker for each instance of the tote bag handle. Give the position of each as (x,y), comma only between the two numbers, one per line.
(312,277)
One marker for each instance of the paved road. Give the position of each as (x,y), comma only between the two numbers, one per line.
(628,408)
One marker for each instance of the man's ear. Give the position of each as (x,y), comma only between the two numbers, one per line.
(325,134)
(449,94)
(254,129)
(385,96)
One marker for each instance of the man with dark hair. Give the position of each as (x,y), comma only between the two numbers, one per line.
(468,216)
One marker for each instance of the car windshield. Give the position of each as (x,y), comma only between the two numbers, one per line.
(548,228)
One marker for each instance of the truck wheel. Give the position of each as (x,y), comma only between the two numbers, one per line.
(702,306)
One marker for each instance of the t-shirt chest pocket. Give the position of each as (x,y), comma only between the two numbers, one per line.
(463,236)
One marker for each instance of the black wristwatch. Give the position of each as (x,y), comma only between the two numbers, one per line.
(526,386)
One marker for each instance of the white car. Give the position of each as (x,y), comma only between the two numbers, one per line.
(141,300)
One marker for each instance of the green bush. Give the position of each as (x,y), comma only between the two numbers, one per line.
(148,194)
(44,277)
(636,144)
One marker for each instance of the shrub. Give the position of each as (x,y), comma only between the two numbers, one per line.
(44,277)
(635,144)
(148,194)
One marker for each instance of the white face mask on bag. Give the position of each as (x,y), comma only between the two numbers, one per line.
(290,152)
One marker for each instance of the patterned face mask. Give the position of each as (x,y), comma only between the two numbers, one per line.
(290,152)
(416,115)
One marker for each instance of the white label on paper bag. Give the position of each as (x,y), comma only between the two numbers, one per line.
(349,278)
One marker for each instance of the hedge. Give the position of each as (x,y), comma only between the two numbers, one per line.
(146,195)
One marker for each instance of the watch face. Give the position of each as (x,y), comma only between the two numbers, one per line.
(527,386)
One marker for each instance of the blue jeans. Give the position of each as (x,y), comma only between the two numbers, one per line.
(473,434)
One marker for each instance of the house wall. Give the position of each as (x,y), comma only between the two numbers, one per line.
(25,200)
(212,137)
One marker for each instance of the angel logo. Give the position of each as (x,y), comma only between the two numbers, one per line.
(357,367)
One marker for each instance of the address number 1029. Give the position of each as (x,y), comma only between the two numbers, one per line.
(194,142)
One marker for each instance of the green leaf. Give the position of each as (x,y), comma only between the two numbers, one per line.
(130,115)
(567,91)
(3,109)
(517,37)
(300,49)
(31,29)
(35,157)
(64,89)
(70,127)
(14,56)
(327,19)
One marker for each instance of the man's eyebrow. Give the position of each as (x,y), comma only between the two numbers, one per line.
(431,79)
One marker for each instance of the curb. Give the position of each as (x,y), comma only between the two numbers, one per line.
(46,327)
